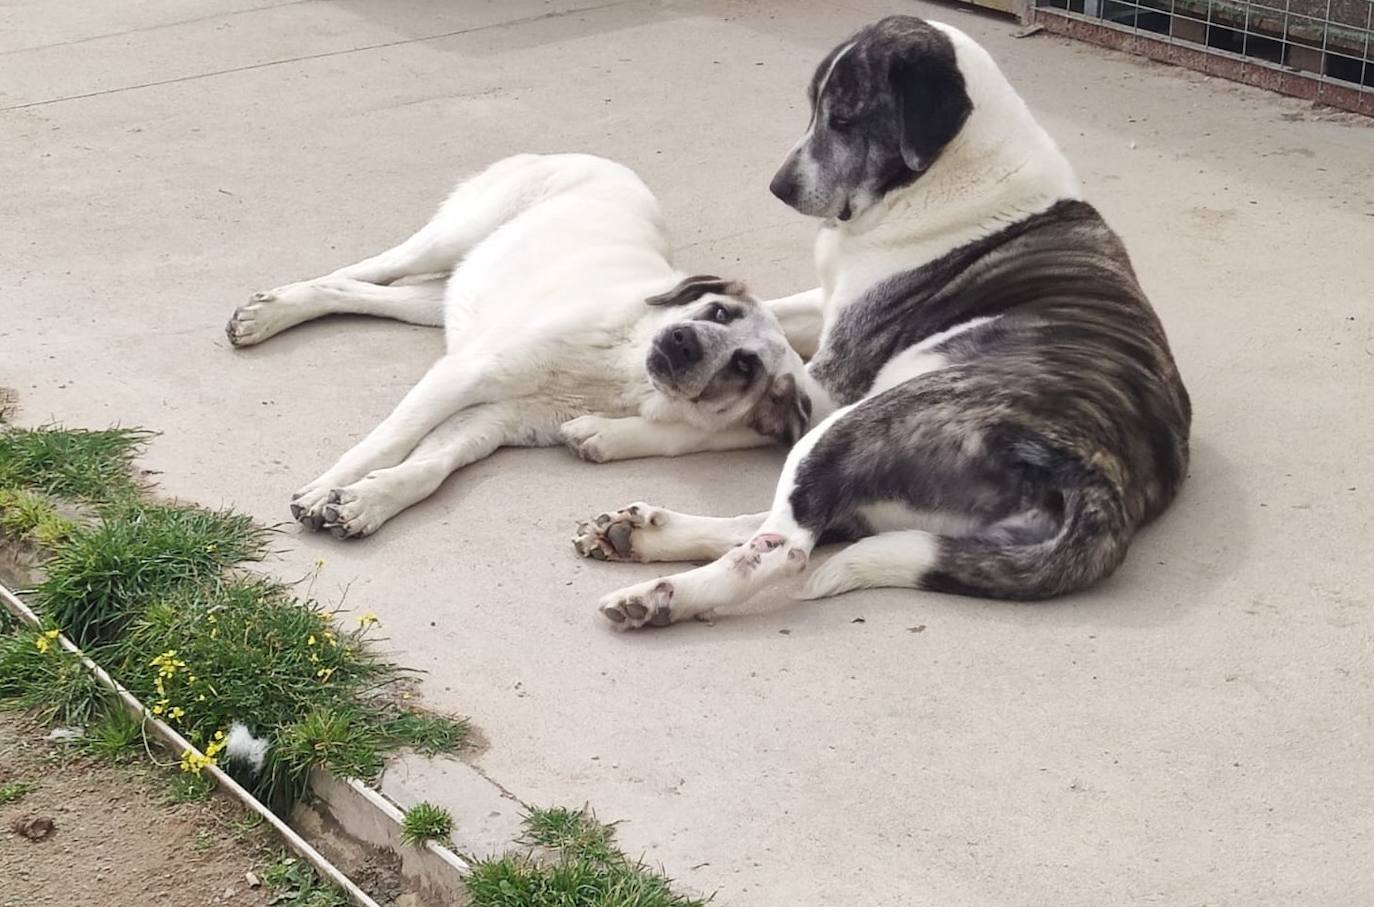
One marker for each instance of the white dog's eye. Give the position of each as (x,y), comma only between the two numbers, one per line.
(719,313)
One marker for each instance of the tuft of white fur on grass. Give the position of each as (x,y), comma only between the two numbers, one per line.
(242,746)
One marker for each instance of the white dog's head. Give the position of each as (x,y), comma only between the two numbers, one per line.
(722,359)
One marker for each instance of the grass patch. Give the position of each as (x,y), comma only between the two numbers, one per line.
(426,822)
(587,870)
(295,884)
(104,577)
(115,737)
(91,466)
(31,517)
(15,791)
(41,678)
(152,591)
(191,787)
(242,828)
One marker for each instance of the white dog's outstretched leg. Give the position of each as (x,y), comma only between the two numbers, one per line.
(645,533)
(268,314)
(361,508)
(602,439)
(452,384)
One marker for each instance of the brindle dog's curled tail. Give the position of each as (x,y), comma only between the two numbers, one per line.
(1094,533)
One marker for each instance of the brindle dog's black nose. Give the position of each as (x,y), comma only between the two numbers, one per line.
(683,347)
(784,186)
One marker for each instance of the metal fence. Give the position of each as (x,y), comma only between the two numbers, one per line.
(1321,49)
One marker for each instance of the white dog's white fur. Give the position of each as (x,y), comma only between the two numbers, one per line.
(1000,169)
(538,269)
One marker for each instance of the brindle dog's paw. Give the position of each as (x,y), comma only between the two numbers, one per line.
(610,536)
(636,606)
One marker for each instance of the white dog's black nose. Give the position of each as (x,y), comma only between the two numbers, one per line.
(682,347)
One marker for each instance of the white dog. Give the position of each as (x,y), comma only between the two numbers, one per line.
(565,322)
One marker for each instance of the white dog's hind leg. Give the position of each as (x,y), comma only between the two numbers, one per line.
(645,533)
(362,507)
(474,210)
(268,314)
(887,560)
(452,384)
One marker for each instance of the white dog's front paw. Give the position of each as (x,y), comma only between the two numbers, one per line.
(611,536)
(589,437)
(350,514)
(635,606)
(262,317)
(307,505)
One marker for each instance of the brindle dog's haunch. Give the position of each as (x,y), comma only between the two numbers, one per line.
(565,320)
(1003,410)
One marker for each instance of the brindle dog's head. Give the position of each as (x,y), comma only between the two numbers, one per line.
(884,104)
(725,361)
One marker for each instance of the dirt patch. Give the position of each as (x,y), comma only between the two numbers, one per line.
(116,837)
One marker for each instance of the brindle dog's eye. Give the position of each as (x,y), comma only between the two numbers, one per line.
(744,363)
(719,313)
(839,121)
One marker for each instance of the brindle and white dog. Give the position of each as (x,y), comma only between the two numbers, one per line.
(565,321)
(1003,409)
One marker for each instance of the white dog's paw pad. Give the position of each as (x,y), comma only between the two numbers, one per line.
(255,321)
(307,507)
(610,536)
(639,606)
(346,515)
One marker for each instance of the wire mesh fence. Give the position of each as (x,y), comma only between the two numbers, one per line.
(1325,40)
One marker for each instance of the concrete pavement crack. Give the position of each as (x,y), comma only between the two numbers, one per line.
(147,28)
(331,53)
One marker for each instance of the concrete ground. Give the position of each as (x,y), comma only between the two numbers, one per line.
(1197,730)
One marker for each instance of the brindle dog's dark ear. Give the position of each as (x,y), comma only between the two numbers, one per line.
(784,412)
(932,103)
(693,288)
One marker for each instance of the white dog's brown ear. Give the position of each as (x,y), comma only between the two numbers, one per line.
(784,412)
(690,289)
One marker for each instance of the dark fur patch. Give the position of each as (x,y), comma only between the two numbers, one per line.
(690,289)
(1069,406)
(784,412)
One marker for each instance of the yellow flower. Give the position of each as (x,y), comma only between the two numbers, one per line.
(368,620)
(193,762)
(311,640)
(219,735)
(191,679)
(159,708)
(324,674)
(200,698)
(44,642)
(212,618)
(176,712)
